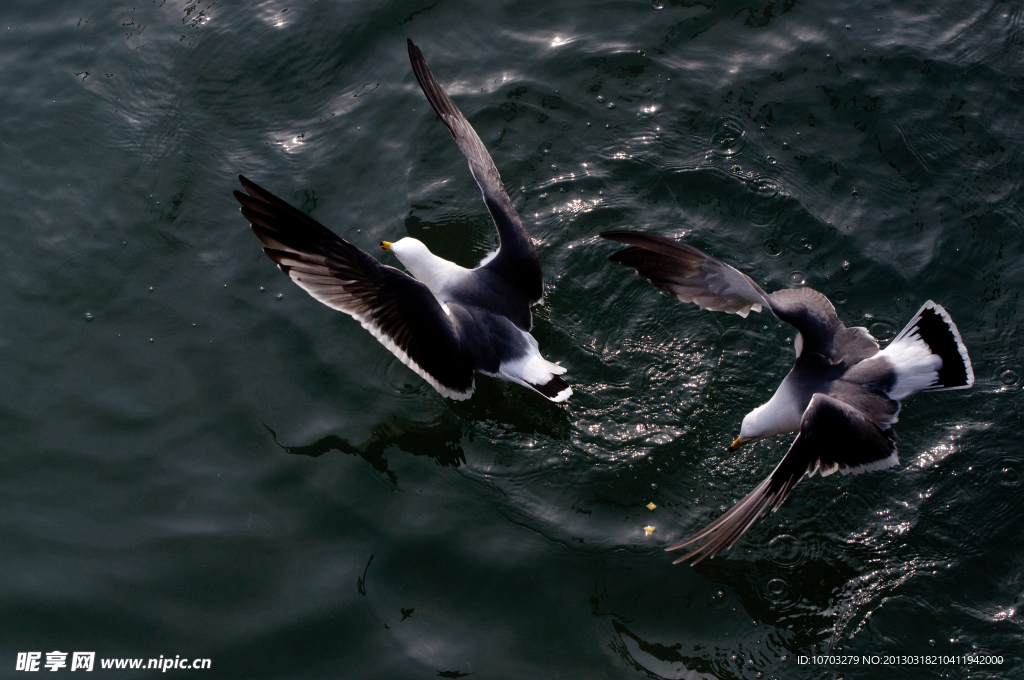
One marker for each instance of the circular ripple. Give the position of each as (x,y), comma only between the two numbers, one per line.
(760,215)
(1008,376)
(796,278)
(787,550)
(763,203)
(718,600)
(776,589)
(1008,473)
(729,139)
(772,247)
(398,380)
(839,297)
(976,475)
(882,331)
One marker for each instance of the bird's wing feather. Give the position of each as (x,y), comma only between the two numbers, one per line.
(688,274)
(693,276)
(813,316)
(516,260)
(397,309)
(854,344)
(867,397)
(833,436)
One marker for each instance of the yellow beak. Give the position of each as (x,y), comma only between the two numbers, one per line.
(386,245)
(735,445)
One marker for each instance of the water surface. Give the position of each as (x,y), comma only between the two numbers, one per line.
(201,460)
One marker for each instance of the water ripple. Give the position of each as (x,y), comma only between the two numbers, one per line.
(728,140)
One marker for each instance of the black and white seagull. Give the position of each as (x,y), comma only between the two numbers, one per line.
(842,395)
(445,321)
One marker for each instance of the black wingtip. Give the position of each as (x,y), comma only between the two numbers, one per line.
(250,187)
(643,239)
(618,234)
(433,91)
(415,55)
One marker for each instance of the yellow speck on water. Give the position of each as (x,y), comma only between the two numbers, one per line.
(651,506)
(649,530)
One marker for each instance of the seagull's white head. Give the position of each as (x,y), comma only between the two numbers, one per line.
(752,429)
(433,271)
(409,251)
(782,413)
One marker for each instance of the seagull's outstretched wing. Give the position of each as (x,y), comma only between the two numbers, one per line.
(833,436)
(397,309)
(688,274)
(693,276)
(516,262)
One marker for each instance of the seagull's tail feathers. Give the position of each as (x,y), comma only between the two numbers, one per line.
(555,368)
(929,355)
(556,389)
(534,371)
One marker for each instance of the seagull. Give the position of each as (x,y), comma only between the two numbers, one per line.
(445,321)
(842,395)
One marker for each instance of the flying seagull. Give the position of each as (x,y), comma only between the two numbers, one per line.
(842,395)
(445,321)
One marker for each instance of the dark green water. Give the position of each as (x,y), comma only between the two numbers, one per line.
(216,465)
